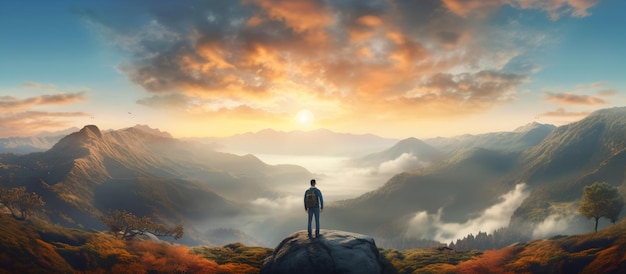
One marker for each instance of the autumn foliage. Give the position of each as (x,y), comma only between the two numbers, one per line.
(601,252)
(20,203)
(492,261)
(165,258)
(127,225)
(35,246)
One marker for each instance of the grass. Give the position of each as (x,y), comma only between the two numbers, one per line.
(421,260)
(235,253)
(35,246)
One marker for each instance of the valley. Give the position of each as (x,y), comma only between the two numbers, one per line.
(417,191)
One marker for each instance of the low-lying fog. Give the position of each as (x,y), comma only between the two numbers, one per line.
(269,220)
(334,177)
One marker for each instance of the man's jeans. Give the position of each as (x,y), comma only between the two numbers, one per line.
(314,211)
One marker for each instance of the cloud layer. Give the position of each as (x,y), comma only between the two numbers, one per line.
(25,116)
(375,59)
(430,226)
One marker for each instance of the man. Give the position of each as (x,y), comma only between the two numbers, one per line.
(313,204)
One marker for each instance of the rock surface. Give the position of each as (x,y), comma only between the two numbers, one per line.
(333,251)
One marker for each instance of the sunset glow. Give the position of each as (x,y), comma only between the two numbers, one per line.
(305,117)
(393,68)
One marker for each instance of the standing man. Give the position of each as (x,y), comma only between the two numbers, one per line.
(313,204)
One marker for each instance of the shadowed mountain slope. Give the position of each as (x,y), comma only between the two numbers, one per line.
(571,157)
(88,172)
(521,138)
(461,188)
(470,180)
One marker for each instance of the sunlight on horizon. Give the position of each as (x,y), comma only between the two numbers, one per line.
(305,117)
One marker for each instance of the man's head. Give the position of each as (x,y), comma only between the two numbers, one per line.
(313,182)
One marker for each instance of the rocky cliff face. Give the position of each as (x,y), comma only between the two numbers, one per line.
(333,251)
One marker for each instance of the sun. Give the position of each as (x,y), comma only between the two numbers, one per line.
(305,117)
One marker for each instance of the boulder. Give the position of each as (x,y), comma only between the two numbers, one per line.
(333,251)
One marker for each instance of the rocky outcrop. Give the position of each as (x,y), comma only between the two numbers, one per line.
(332,252)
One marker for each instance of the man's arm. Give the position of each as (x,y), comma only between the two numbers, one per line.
(305,209)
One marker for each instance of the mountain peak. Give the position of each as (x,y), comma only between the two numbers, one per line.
(410,140)
(91,131)
(72,145)
(415,146)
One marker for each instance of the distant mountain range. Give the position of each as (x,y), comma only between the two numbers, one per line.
(45,140)
(316,142)
(195,181)
(476,170)
(38,143)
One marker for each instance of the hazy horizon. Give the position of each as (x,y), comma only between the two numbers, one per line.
(395,69)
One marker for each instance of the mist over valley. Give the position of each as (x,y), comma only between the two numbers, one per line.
(440,189)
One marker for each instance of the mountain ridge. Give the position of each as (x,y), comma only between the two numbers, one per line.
(298,142)
(555,170)
(554,163)
(521,138)
(88,172)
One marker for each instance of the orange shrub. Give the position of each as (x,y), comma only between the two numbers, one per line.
(166,258)
(492,261)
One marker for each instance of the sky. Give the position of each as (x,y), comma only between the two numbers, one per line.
(395,68)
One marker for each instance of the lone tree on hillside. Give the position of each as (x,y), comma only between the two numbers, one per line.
(601,200)
(22,205)
(126,225)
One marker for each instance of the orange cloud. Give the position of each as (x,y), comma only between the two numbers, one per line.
(561,112)
(301,15)
(574,99)
(554,8)
(387,57)
(20,117)
(607,92)
(29,123)
(480,8)
(8,103)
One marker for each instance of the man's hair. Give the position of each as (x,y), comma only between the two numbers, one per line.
(312,181)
